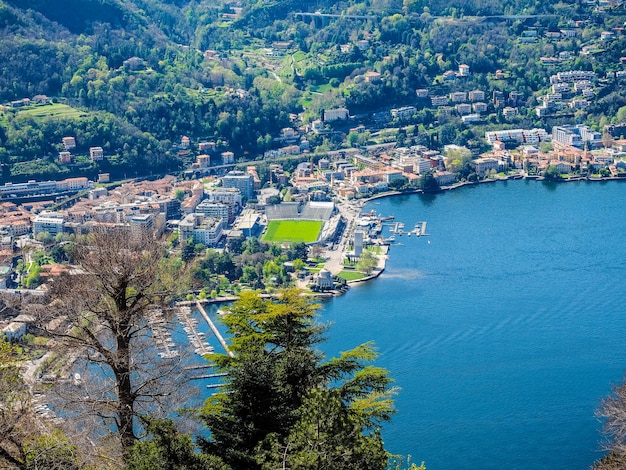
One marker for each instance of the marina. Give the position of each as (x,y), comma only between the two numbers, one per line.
(373,225)
(197,339)
(162,337)
(419,229)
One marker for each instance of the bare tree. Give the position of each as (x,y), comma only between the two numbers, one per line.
(612,413)
(105,315)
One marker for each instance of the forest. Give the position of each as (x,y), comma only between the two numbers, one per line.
(140,75)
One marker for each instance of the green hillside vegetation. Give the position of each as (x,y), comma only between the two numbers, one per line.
(267,60)
(52,110)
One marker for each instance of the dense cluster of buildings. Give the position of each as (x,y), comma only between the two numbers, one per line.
(207,212)
(572,89)
(202,211)
(43,188)
(574,148)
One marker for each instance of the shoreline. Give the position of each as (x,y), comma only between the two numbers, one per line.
(351,215)
(382,259)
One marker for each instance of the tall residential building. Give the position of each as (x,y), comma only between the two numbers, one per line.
(140,225)
(217,210)
(575,136)
(244,182)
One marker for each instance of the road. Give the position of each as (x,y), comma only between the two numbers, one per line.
(350,212)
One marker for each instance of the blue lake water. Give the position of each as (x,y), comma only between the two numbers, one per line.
(503,329)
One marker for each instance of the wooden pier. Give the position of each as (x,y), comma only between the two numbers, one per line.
(207,376)
(218,335)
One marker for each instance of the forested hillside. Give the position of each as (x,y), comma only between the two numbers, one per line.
(232,72)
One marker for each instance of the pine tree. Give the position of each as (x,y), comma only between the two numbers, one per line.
(280,393)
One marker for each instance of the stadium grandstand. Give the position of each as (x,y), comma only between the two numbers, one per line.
(313,210)
(317,210)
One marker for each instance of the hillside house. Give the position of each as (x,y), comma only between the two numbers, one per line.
(96,153)
(69,143)
(65,157)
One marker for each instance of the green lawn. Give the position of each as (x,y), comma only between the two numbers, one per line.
(350,275)
(321,88)
(293,231)
(55,110)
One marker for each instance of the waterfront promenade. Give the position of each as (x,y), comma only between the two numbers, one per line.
(335,255)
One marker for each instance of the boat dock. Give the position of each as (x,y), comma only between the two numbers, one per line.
(196,338)
(162,337)
(216,332)
(418,230)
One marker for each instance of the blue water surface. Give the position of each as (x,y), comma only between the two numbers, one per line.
(504,329)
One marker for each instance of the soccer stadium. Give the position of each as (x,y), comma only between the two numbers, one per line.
(313,222)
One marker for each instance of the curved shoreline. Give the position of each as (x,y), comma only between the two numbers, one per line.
(383,258)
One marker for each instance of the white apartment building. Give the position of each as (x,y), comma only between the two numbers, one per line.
(573,76)
(216,210)
(404,112)
(439,100)
(335,114)
(201,229)
(523,136)
(51,222)
(575,136)
(96,153)
(421,166)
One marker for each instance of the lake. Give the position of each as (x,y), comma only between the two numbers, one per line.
(504,329)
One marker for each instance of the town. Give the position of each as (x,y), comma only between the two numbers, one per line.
(213,202)
(184,184)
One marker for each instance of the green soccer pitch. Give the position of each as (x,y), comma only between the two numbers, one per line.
(292,231)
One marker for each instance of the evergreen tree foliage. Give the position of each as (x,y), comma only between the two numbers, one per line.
(169,449)
(280,393)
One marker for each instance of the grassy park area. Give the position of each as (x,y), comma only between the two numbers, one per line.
(292,231)
(55,110)
(351,275)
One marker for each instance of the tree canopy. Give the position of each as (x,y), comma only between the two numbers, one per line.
(280,393)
